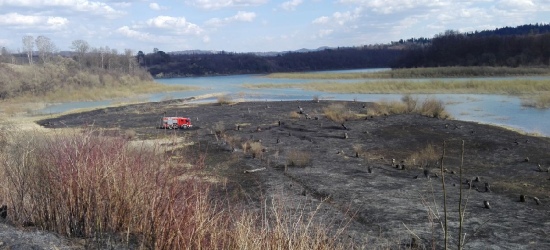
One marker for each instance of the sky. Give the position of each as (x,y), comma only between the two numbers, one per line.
(252,25)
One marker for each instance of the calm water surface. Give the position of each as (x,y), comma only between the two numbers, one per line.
(492,109)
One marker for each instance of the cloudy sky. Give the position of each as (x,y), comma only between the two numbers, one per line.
(252,25)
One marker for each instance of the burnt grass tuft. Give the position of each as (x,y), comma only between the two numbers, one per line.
(378,202)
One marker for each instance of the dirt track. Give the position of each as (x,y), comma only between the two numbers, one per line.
(355,178)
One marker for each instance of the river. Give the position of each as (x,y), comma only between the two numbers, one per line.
(499,110)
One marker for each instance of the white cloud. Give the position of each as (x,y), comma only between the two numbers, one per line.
(128,32)
(241,16)
(394,6)
(156,6)
(36,22)
(517,4)
(218,4)
(291,5)
(321,20)
(177,25)
(324,32)
(94,7)
(339,18)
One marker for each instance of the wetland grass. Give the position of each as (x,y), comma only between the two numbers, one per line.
(439,72)
(500,87)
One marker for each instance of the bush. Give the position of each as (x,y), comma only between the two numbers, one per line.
(433,108)
(92,186)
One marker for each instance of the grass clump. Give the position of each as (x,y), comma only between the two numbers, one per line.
(224,100)
(338,112)
(256,149)
(298,159)
(427,156)
(433,108)
(409,104)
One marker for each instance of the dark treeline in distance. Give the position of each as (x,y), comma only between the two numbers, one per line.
(522,46)
(161,64)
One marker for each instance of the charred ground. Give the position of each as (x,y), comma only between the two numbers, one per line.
(354,181)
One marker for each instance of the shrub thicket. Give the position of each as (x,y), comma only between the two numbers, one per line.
(88,185)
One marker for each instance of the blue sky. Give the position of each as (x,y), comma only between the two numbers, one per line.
(252,25)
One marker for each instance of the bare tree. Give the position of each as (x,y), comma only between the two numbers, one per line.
(81,47)
(102,52)
(3,54)
(28,45)
(45,48)
(132,61)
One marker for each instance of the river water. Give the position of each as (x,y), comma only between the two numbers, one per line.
(491,109)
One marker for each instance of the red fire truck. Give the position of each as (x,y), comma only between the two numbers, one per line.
(176,122)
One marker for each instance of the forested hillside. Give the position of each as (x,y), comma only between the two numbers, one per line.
(523,46)
(161,64)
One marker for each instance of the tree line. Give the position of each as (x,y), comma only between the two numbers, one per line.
(43,51)
(522,46)
(40,68)
(161,64)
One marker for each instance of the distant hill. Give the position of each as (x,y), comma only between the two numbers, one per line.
(522,46)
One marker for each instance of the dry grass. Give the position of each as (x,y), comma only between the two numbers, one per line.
(429,107)
(62,82)
(339,113)
(298,159)
(426,86)
(294,115)
(427,156)
(224,99)
(433,108)
(422,73)
(256,149)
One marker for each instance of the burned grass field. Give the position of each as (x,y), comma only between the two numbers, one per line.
(378,175)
